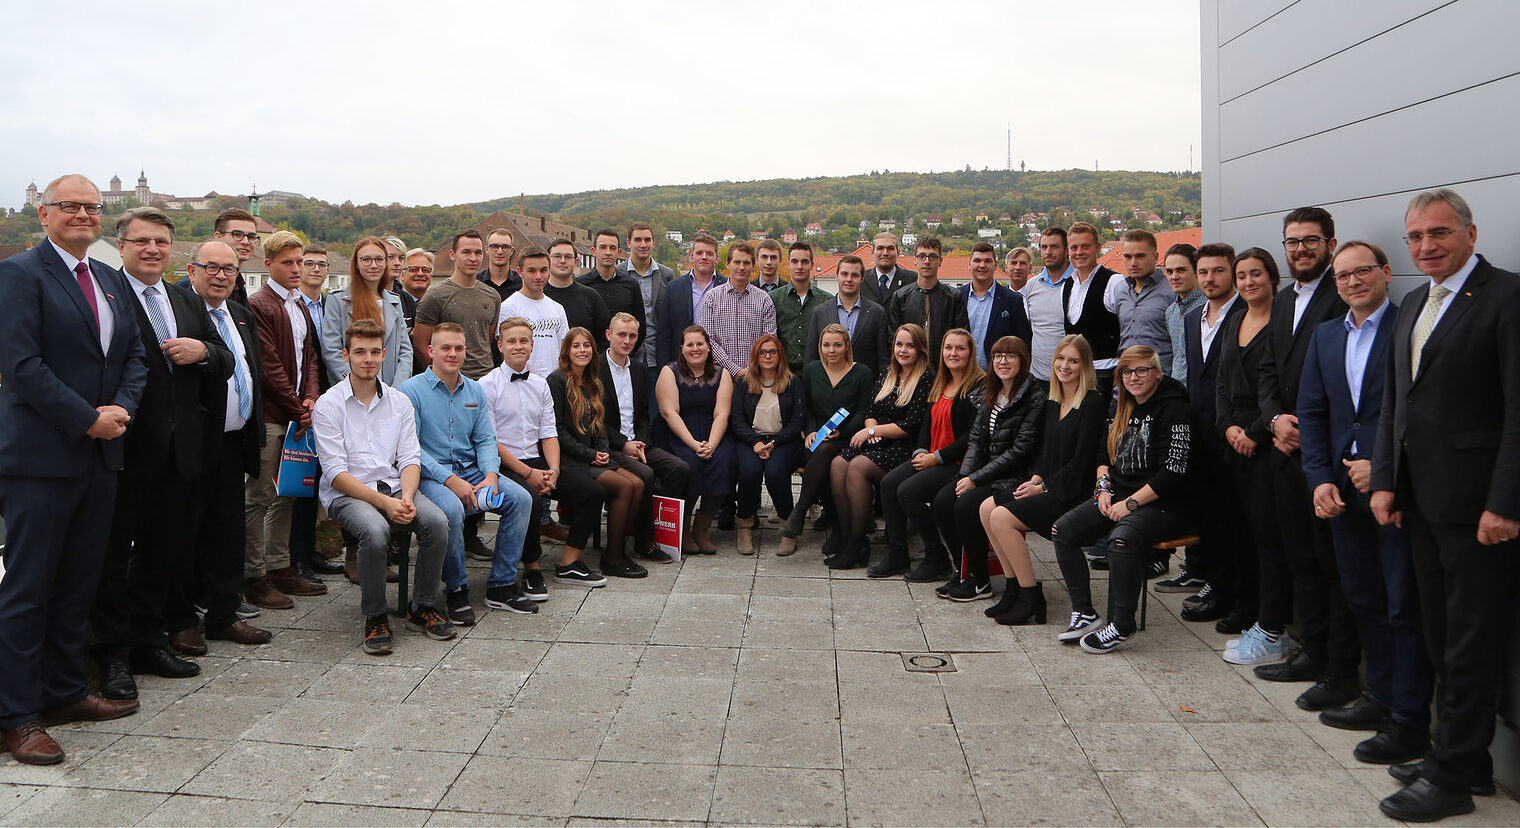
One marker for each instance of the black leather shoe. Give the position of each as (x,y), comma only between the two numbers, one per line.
(1330,692)
(1424,802)
(624,569)
(1394,743)
(326,566)
(305,570)
(1410,771)
(1211,610)
(1298,667)
(116,682)
(160,662)
(929,571)
(1364,714)
(1235,623)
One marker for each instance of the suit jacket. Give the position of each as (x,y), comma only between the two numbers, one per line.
(870,289)
(614,419)
(676,315)
(53,372)
(1328,425)
(660,276)
(1096,322)
(214,394)
(338,309)
(1449,440)
(1283,362)
(1203,374)
(870,343)
(283,389)
(1009,318)
(171,421)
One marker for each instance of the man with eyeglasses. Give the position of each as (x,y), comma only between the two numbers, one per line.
(74,369)
(500,274)
(149,547)
(464,300)
(238,229)
(994,311)
(584,307)
(936,307)
(885,278)
(416,278)
(1301,572)
(1045,301)
(303,517)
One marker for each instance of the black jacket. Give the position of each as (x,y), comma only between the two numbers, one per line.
(1156,448)
(741,415)
(1237,401)
(1067,447)
(574,445)
(936,310)
(1003,452)
(639,378)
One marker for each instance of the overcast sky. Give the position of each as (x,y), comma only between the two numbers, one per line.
(449,102)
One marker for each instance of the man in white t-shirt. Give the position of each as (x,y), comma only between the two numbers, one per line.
(550,325)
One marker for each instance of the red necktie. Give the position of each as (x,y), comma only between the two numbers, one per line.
(86,284)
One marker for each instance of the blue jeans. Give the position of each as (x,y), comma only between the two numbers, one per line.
(510,531)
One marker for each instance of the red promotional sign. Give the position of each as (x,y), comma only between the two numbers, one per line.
(669,518)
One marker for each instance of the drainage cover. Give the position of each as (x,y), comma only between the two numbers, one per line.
(928,663)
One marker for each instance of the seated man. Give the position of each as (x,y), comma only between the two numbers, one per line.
(459,462)
(371,467)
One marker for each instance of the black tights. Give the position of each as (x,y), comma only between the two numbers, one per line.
(815,475)
(854,482)
(624,491)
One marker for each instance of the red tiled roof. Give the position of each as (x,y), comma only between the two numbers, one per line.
(1193,235)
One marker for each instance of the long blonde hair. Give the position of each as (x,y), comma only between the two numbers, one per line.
(754,378)
(896,381)
(1132,356)
(1087,378)
(583,395)
(943,376)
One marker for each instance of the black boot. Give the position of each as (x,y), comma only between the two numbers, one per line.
(1030,605)
(833,544)
(856,553)
(1006,601)
(895,562)
(934,567)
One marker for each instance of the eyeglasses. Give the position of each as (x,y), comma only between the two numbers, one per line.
(146,242)
(562,256)
(1437,235)
(769,352)
(239,235)
(231,271)
(1359,274)
(498,247)
(927,257)
(415,270)
(1307,243)
(1004,357)
(314,264)
(1139,372)
(369,261)
(71,207)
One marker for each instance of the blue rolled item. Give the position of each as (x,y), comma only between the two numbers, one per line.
(828,428)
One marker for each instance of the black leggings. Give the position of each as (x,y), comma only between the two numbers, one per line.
(1129,542)
(964,532)
(815,474)
(906,495)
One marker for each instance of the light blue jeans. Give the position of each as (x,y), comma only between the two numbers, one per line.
(510,531)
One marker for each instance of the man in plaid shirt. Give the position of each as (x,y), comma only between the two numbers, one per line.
(737,313)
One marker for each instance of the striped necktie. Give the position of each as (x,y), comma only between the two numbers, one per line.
(156,315)
(241,379)
(1426,326)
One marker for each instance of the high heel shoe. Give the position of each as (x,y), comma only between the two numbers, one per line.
(1028,605)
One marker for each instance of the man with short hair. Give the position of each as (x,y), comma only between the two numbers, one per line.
(734,315)
(303,516)
(149,549)
(993,310)
(584,307)
(885,278)
(935,307)
(545,316)
(464,300)
(1180,264)
(768,263)
(1044,299)
(864,319)
(290,385)
(795,302)
(619,291)
(416,278)
(1017,263)
(500,275)
(1446,467)
(682,304)
(1085,304)
(1142,301)
(371,467)
(459,467)
(238,229)
(651,277)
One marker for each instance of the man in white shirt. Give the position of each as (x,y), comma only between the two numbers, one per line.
(548,319)
(371,467)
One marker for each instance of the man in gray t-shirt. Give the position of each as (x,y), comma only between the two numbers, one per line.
(467,302)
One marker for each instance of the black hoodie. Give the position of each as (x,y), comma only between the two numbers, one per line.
(1156,447)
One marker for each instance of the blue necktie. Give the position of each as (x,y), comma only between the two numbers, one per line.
(240,377)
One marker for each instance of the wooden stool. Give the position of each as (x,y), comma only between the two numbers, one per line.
(1168,546)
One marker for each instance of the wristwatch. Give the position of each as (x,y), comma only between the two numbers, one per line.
(1131,504)
(871,432)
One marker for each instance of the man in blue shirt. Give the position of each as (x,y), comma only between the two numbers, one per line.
(459,466)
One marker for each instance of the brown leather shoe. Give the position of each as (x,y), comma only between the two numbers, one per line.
(91,708)
(240,632)
(261,593)
(554,531)
(290,582)
(30,744)
(351,565)
(188,642)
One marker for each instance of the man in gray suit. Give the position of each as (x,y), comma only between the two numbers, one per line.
(885,277)
(865,320)
(652,278)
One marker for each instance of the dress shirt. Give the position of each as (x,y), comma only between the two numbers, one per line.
(848,318)
(314,308)
(698,291)
(233,421)
(454,428)
(160,298)
(1142,316)
(622,384)
(102,304)
(1047,318)
(1453,283)
(297,322)
(979,311)
(522,411)
(373,443)
(1207,332)
(884,279)
(1079,295)
(651,324)
(1358,349)
(1305,295)
(1180,307)
(734,320)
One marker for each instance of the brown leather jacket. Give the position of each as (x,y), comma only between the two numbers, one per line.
(283,391)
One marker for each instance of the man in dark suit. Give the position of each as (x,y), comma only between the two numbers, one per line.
(149,549)
(1307,578)
(234,435)
(1339,402)
(683,297)
(74,369)
(865,320)
(1447,468)
(885,277)
(651,277)
(994,311)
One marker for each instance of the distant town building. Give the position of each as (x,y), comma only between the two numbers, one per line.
(990,232)
(729,235)
(933,220)
(909,240)
(887,224)
(675,236)
(813,229)
(790,236)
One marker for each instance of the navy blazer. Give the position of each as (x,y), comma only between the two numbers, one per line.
(1327,424)
(675,315)
(1203,374)
(1008,318)
(53,373)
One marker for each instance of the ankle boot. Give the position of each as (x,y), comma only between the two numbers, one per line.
(689,537)
(1029,605)
(1006,601)
(934,567)
(793,525)
(786,547)
(856,553)
(895,562)
(351,565)
(699,528)
(833,544)
(745,537)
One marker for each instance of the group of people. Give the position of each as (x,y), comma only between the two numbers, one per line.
(1346,465)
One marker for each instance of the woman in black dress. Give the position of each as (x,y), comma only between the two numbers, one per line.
(694,395)
(885,441)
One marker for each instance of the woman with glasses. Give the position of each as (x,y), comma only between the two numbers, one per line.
(1142,497)
(1075,412)
(367,297)
(766,421)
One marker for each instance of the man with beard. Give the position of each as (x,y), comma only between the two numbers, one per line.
(1043,299)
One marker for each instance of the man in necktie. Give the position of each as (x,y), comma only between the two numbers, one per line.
(885,277)
(149,547)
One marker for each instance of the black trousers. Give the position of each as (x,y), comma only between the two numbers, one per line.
(1129,541)
(816,487)
(1467,600)
(303,530)
(214,573)
(1325,624)
(584,495)
(147,552)
(664,474)
(56,530)
(907,496)
(964,534)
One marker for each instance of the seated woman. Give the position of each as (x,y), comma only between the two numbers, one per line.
(831,382)
(885,442)
(909,488)
(1142,497)
(694,397)
(580,417)
(1004,443)
(766,420)
(1075,413)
